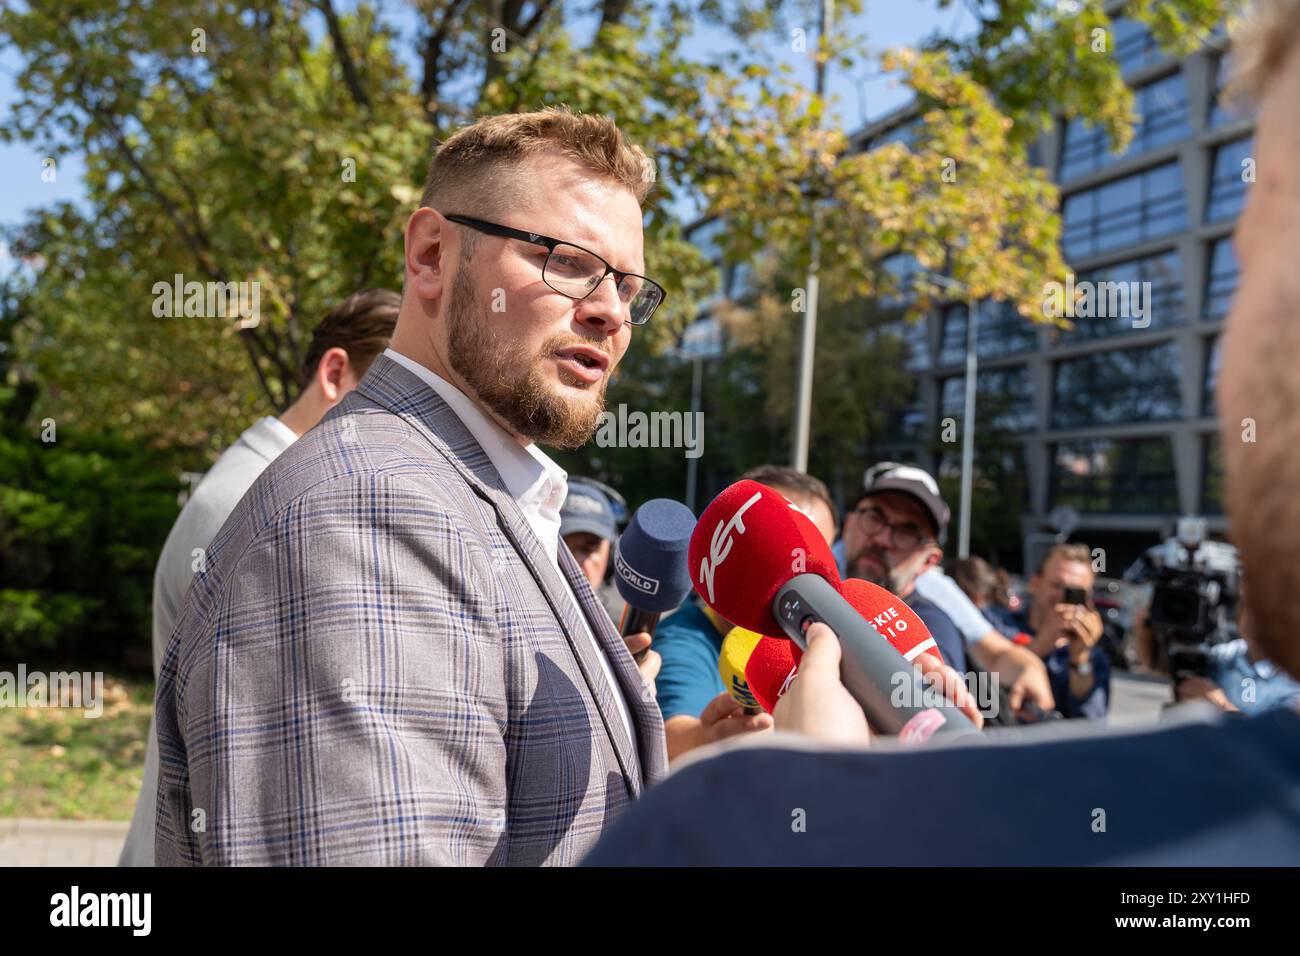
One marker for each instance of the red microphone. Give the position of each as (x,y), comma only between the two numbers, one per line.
(773,661)
(761,563)
(888,614)
(748,542)
(770,668)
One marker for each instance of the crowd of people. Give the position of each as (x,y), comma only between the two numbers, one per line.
(372,647)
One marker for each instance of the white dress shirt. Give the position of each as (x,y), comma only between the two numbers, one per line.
(537,484)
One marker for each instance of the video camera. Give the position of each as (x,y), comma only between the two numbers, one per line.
(1196,587)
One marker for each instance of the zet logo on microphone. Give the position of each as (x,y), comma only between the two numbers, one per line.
(642,582)
(720,543)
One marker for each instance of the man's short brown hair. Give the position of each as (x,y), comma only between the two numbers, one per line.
(470,172)
(1073,551)
(791,481)
(361,325)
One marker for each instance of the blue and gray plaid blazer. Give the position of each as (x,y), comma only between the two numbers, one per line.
(378,664)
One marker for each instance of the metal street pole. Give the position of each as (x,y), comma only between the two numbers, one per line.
(968,429)
(692,464)
(968,415)
(803,405)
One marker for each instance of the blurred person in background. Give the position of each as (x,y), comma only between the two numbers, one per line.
(1238,678)
(1064,629)
(342,348)
(988,590)
(589,528)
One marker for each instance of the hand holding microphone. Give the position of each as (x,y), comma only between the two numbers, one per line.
(650,570)
(816,703)
(761,563)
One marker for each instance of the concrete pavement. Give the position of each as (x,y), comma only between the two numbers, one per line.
(27,842)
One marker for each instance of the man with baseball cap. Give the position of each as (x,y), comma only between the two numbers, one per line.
(589,529)
(894,537)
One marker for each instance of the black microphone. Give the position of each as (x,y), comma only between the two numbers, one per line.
(650,569)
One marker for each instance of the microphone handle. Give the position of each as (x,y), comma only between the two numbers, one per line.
(635,621)
(872,670)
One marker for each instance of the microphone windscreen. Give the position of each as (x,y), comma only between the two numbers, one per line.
(770,668)
(891,616)
(650,569)
(750,541)
(736,648)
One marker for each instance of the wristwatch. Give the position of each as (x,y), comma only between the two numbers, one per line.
(1084,669)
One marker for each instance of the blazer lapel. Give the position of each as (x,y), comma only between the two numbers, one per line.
(550,583)
(405,394)
(646,717)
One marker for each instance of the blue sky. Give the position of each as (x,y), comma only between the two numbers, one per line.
(863,96)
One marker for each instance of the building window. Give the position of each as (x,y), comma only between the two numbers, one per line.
(1221,282)
(952,340)
(907,427)
(1001,331)
(1004,399)
(1132,476)
(1123,301)
(1211,378)
(1163,106)
(916,342)
(901,269)
(1143,206)
(1220,112)
(1228,182)
(1135,47)
(1122,385)
(906,133)
(1211,476)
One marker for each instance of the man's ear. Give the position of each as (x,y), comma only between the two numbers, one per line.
(332,373)
(934,556)
(426,253)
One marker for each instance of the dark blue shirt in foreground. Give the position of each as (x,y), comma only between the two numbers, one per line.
(1221,794)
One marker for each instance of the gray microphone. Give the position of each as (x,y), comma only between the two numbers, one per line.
(889,688)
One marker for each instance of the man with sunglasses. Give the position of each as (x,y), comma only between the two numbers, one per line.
(391,658)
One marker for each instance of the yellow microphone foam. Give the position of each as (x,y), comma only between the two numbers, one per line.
(736,648)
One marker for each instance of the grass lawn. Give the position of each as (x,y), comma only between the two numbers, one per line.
(56,763)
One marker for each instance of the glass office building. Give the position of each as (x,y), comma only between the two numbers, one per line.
(1114,418)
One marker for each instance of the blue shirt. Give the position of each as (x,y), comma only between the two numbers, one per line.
(1252,688)
(1096,704)
(1209,794)
(1004,619)
(689,645)
(945,633)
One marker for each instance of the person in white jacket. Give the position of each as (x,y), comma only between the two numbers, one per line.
(342,348)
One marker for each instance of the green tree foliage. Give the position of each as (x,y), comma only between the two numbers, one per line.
(82,518)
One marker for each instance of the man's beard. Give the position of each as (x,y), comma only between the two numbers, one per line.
(510,381)
(878,572)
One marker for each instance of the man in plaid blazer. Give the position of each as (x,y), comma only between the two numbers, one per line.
(389,659)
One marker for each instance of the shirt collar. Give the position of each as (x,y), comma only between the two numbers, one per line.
(535,481)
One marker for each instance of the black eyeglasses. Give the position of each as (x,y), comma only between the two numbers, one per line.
(576,272)
(903,537)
